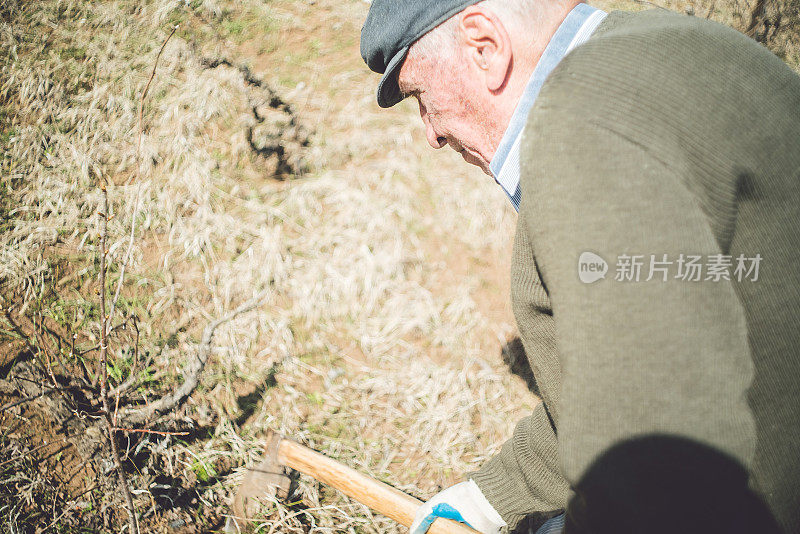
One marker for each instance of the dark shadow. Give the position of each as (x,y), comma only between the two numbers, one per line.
(531,523)
(513,354)
(190,433)
(665,484)
(24,354)
(249,402)
(274,144)
(169,493)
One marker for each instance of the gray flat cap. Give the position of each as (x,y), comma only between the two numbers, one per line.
(392,26)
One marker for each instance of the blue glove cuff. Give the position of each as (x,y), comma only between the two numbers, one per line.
(440,510)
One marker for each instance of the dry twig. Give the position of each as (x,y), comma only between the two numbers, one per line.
(156,432)
(103,371)
(144,94)
(111,418)
(193,369)
(132,232)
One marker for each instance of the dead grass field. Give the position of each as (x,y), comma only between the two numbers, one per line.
(267,169)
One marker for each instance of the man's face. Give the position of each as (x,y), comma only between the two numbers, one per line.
(450,105)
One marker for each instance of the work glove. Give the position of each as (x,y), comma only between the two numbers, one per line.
(463,502)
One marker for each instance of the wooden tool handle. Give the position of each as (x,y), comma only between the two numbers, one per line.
(381,497)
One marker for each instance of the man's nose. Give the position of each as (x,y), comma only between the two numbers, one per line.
(434,140)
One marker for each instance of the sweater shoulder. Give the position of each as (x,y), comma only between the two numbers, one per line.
(656,52)
(645,21)
(659,69)
(700,99)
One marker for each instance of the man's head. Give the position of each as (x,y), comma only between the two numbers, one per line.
(466,62)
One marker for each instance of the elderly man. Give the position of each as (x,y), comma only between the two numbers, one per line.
(668,147)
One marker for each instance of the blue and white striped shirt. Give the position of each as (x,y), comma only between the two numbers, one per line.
(576,28)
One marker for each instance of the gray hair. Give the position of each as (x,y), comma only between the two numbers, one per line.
(441,41)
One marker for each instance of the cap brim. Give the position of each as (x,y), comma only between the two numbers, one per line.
(389,92)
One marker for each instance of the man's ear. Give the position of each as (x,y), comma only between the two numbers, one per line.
(487,44)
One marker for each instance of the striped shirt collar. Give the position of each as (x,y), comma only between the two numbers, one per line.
(576,28)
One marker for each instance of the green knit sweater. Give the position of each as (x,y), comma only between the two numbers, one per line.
(667,405)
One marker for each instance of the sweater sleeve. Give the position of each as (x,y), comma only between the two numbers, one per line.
(654,372)
(524,478)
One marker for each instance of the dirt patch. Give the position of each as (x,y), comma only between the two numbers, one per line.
(47,461)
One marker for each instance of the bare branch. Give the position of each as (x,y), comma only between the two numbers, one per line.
(144,94)
(129,251)
(146,431)
(132,232)
(193,369)
(133,380)
(111,418)
(103,371)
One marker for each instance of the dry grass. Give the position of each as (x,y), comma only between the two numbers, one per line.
(384,265)
(362,348)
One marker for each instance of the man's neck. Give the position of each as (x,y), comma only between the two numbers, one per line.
(575,28)
(526,55)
